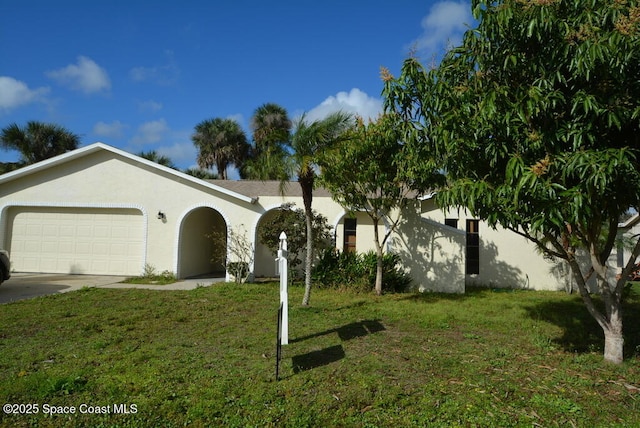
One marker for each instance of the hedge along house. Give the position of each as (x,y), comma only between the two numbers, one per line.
(100,210)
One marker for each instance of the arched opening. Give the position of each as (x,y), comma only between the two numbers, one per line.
(200,254)
(264,264)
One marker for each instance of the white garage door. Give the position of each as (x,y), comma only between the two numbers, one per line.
(76,240)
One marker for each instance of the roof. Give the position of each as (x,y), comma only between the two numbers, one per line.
(92,148)
(257,188)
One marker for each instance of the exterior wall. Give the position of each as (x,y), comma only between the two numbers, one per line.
(365,233)
(432,253)
(103,179)
(507,260)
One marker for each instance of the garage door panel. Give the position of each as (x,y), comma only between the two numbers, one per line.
(76,240)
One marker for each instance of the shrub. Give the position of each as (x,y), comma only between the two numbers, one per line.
(336,269)
(239,271)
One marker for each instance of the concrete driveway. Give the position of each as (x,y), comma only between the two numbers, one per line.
(28,285)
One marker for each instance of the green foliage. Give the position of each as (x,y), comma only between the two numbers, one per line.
(381,182)
(151,276)
(271,127)
(38,141)
(292,222)
(220,143)
(357,271)
(238,270)
(535,119)
(153,156)
(238,247)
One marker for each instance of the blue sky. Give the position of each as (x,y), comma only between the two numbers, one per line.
(139,75)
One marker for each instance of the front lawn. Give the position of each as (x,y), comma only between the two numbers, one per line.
(206,357)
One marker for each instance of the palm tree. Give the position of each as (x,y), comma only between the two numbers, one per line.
(220,142)
(200,173)
(308,141)
(153,156)
(38,141)
(271,127)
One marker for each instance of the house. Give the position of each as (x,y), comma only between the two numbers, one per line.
(100,210)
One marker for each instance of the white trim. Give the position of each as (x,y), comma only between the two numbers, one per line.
(18,204)
(95,147)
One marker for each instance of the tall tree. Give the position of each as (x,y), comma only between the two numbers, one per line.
(367,173)
(308,141)
(38,141)
(536,118)
(220,143)
(271,128)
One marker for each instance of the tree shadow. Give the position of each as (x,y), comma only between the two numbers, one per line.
(314,359)
(323,357)
(347,332)
(432,253)
(580,331)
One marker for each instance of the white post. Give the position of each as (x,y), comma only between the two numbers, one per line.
(283,253)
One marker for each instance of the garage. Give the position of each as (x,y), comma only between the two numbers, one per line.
(100,241)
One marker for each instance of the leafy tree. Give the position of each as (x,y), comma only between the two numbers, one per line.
(308,142)
(153,156)
(536,119)
(38,141)
(270,126)
(366,173)
(293,222)
(220,143)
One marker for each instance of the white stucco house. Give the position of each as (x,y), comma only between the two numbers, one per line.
(100,210)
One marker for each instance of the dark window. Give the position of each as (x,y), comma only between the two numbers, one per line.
(453,222)
(349,235)
(473,247)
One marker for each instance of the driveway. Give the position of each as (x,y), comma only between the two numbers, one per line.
(28,285)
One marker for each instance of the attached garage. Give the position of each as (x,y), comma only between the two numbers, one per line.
(101,241)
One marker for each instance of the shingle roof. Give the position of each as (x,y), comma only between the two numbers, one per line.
(257,188)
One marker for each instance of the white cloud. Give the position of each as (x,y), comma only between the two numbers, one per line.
(114,129)
(354,101)
(165,74)
(443,27)
(182,153)
(85,76)
(150,106)
(15,93)
(150,132)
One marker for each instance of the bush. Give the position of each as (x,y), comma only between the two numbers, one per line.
(336,269)
(239,271)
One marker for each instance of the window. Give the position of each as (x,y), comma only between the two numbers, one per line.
(349,235)
(473,247)
(452,222)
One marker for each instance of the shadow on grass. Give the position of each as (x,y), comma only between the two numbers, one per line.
(581,332)
(314,359)
(349,331)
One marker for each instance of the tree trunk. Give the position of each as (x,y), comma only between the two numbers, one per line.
(306,183)
(610,321)
(613,340)
(308,259)
(379,255)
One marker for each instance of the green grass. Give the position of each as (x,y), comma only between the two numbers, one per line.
(206,357)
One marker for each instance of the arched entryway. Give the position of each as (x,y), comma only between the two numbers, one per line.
(264,264)
(199,254)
